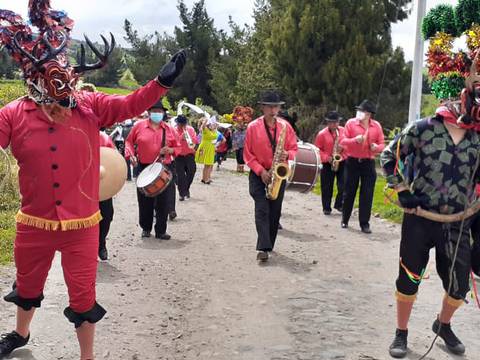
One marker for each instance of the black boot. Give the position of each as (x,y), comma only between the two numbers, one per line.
(451,341)
(11,341)
(103,254)
(398,349)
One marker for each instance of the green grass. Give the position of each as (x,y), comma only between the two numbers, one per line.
(7,234)
(114,91)
(384,209)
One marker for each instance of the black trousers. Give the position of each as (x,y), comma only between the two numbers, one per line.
(106,209)
(159,205)
(186,169)
(327,177)
(173,196)
(359,171)
(129,170)
(419,235)
(267,212)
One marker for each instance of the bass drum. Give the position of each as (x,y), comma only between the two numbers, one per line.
(154,179)
(304,169)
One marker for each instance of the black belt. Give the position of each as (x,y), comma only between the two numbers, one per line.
(360,160)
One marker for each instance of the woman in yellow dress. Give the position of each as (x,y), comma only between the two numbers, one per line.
(206,151)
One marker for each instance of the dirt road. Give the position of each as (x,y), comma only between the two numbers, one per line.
(326,294)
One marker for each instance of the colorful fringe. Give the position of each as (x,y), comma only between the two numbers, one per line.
(55,225)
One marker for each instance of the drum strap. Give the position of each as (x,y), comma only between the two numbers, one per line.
(273,140)
(164,141)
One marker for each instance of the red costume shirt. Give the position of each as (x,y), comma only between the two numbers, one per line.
(325,140)
(184,148)
(258,153)
(106,141)
(374,135)
(59,163)
(146,141)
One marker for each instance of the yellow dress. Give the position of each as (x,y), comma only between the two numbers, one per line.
(206,150)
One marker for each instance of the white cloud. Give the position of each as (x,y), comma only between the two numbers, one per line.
(93,17)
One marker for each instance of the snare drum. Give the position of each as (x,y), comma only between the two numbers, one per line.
(154,179)
(305,168)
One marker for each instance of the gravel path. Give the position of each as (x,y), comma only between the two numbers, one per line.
(326,294)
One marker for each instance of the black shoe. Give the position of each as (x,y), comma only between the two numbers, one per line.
(103,254)
(188,195)
(366,229)
(344,225)
(280,227)
(398,349)
(145,234)
(327,212)
(173,215)
(262,256)
(11,341)
(451,341)
(181,198)
(338,208)
(163,237)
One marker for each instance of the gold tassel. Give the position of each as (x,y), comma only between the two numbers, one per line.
(54,225)
(405,298)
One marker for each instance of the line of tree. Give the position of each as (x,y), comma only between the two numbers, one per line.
(321,54)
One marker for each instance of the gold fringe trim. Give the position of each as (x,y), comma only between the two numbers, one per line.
(456,303)
(54,225)
(405,298)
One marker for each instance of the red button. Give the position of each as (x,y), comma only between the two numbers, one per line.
(58,203)
(56,185)
(53,148)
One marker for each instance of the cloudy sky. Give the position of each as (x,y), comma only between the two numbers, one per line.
(93,16)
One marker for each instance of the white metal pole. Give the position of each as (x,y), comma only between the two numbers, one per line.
(416,86)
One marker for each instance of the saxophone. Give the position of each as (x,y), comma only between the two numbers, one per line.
(279,170)
(336,157)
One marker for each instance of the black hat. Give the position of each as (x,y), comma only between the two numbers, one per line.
(270,98)
(182,119)
(158,105)
(367,106)
(333,116)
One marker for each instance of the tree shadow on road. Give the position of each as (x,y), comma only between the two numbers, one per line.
(108,274)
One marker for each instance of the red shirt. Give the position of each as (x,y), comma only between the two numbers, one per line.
(59,162)
(106,141)
(325,140)
(257,152)
(184,148)
(146,141)
(352,148)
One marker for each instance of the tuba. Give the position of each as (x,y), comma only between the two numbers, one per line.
(279,170)
(336,157)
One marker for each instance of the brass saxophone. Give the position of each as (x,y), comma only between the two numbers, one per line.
(336,156)
(279,170)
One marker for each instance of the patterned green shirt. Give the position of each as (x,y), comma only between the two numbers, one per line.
(442,171)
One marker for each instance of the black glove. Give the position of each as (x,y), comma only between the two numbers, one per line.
(408,200)
(171,70)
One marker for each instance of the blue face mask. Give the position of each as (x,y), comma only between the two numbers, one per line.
(157,118)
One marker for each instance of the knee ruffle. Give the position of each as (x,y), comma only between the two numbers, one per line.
(93,316)
(25,304)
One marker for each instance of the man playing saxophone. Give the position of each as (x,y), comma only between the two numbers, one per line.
(261,154)
(332,157)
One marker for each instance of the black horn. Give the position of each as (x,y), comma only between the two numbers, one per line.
(103,57)
(50,53)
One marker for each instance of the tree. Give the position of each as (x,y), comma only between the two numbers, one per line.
(7,65)
(199,36)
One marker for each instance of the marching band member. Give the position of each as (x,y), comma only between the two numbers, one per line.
(328,141)
(260,143)
(53,134)
(185,160)
(363,141)
(151,140)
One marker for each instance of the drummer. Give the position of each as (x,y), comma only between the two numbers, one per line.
(260,143)
(153,140)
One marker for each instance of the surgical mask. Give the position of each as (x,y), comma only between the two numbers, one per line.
(361,115)
(157,118)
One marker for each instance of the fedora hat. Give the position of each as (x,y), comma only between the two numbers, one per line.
(333,116)
(367,106)
(270,98)
(158,105)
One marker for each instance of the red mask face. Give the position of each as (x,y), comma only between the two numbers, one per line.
(59,80)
